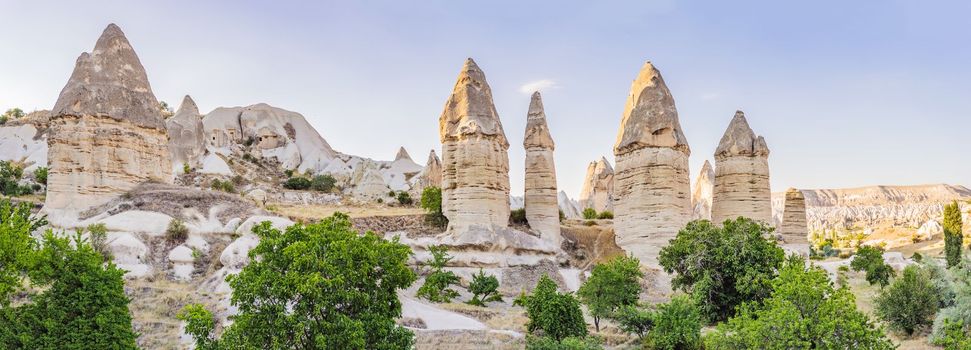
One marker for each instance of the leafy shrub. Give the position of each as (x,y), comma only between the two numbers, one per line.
(959,309)
(391,194)
(677,325)
(611,285)
(404,198)
(562,215)
(568,343)
(955,335)
(606,214)
(176,231)
(484,289)
(870,259)
(40,175)
(552,314)
(910,302)
(323,183)
(288,173)
(953,238)
(297,183)
(634,320)
(518,216)
(186,168)
(225,186)
(98,234)
(10,175)
(437,283)
(722,267)
(431,201)
(333,288)
(589,214)
(250,158)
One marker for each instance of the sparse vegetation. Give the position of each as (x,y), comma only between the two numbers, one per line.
(323,183)
(40,175)
(677,325)
(589,214)
(431,201)
(870,259)
(484,289)
(186,168)
(98,235)
(404,198)
(518,217)
(11,114)
(176,231)
(225,186)
(910,302)
(611,285)
(10,176)
(437,287)
(606,214)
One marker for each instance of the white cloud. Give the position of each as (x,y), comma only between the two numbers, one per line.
(538,85)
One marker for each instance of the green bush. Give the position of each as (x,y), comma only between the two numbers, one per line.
(10,175)
(431,201)
(297,183)
(323,183)
(404,198)
(722,267)
(634,320)
(518,217)
(186,168)
(870,259)
(40,175)
(606,214)
(391,194)
(319,286)
(953,237)
(910,302)
(959,308)
(11,114)
(562,215)
(955,335)
(484,289)
(177,231)
(437,287)
(611,285)
(225,186)
(98,234)
(677,325)
(552,314)
(589,214)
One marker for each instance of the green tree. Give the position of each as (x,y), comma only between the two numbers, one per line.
(870,259)
(200,324)
(319,286)
(953,237)
(11,114)
(589,213)
(804,311)
(40,175)
(634,320)
(910,302)
(431,201)
(484,289)
(722,267)
(16,246)
(677,325)
(959,309)
(437,284)
(611,285)
(552,314)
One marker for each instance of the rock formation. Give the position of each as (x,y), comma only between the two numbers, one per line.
(701,194)
(475,173)
(402,154)
(793,228)
(431,175)
(540,199)
(187,139)
(741,175)
(399,173)
(651,190)
(598,186)
(107,130)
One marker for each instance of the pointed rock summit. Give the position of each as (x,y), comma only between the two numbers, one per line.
(431,175)
(187,139)
(402,154)
(107,132)
(540,198)
(598,186)
(475,173)
(741,175)
(110,82)
(701,194)
(651,188)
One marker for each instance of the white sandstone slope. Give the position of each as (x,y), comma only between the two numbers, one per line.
(25,140)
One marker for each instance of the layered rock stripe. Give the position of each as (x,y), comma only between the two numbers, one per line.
(651,186)
(540,198)
(108,134)
(475,163)
(793,228)
(741,175)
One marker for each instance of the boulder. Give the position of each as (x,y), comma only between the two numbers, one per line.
(651,188)
(741,175)
(107,132)
(598,186)
(540,199)
(701,194)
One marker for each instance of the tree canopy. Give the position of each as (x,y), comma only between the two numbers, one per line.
(611,285)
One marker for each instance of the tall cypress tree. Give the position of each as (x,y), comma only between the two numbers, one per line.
(953,238)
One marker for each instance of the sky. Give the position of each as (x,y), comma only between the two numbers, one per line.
(846,93)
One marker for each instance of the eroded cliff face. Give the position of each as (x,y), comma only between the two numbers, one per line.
(107,133)
(652,198)
(540,198)
(475,163)
(741,175)
(598,186)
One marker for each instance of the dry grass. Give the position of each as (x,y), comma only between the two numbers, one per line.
(594,243)
(154,306)
(313,212)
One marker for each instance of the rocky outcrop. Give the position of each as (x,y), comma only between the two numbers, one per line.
(701,194)
(569,207)
(431,175)
(793,228)
(540,198)
(651,187)
(475,173)
(741,175)
(399,173)
(107,133)
(187,139)
(24,140)
(598,186)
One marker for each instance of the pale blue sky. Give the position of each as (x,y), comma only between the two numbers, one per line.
(846,93)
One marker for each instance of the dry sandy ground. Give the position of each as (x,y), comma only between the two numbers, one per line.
(314,212)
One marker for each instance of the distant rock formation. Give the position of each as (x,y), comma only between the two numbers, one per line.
(741,175)
(701,194)
(475,174)
(793,228)
(651,187)
(187,139)
(570,207)
(541,202)
(598,186)
(402,154)
(25,139)
(107,134)
(430,176)
(398,174)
